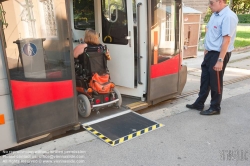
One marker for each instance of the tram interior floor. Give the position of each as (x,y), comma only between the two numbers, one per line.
(108,110)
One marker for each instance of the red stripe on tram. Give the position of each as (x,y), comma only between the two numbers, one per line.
(170,66)
(28,94)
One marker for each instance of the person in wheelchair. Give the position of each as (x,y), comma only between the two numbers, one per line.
(93,84)
(91,39)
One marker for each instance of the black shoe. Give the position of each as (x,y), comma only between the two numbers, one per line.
(192,106)
(210,111)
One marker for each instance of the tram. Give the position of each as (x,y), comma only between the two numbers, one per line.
(37,76)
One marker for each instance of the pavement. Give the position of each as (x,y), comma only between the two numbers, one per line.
(187,139)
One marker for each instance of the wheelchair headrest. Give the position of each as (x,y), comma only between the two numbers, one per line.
(99,48)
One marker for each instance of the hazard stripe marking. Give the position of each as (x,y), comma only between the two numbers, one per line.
(121,127)
(126,138)
(122,139)
(107,140)
(138,133)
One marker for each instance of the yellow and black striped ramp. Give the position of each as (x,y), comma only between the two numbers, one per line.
(121,127)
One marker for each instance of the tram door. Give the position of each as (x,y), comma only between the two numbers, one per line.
(167,77)
(40,68)
(116,31)
(118,27)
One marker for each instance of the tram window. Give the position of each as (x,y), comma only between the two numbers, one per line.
(114,22)
(165,28)
(33,54)
(84,15)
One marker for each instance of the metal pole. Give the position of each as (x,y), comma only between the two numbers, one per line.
(231,4)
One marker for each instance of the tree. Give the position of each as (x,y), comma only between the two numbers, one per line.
(240,6)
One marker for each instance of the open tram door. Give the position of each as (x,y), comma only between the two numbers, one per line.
(144,40)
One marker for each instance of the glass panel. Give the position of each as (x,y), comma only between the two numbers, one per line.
(114,22)
(165,29)
(36,40)
(49,18)
(84,16)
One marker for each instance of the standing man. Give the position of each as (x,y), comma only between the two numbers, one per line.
(219,43)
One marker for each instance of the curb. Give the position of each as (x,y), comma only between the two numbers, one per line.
(241,49)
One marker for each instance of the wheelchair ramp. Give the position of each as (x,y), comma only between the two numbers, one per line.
(121,127)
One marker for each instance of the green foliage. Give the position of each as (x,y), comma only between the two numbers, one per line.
(241,6)
(244,18)
(83,9)
(242,36)
(203,33)
(84,14)
(208,15)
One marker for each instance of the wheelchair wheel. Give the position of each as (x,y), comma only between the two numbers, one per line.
(83,105)
(119,103)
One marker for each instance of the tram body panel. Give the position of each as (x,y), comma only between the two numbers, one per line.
(7,128)
(8,136)
(40,68)
(168,82)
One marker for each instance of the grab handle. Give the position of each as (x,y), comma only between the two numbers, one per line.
(138,43)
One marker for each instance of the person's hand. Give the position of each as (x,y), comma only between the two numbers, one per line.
(218,66)
(205,52)
(108,55)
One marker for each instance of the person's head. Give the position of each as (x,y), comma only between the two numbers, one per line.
(91,37)
(217,5)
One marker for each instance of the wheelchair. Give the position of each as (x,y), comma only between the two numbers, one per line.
(91,62)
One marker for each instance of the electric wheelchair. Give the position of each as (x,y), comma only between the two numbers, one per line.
(93,85)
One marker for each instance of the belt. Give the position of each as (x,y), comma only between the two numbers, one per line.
(217,51)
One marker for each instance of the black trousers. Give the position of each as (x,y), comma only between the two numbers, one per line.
(211,80)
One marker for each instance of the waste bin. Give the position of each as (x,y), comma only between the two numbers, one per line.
(192,22)
(31,53)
